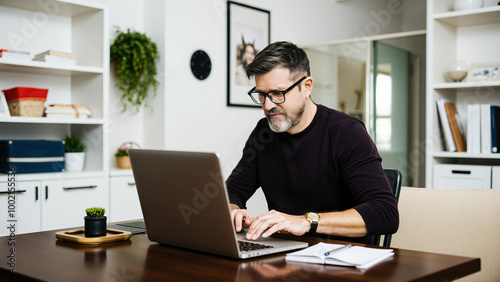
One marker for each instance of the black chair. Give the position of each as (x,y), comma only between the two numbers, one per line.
(394,177)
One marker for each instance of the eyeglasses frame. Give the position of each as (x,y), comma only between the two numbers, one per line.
(269,96)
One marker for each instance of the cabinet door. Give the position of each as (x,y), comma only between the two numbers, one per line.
(21,211)
(64,201)
(124,201)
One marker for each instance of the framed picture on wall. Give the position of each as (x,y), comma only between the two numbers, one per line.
(484,72)
(248,32)
(4,108)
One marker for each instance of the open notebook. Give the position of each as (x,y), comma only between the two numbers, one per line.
(342,255)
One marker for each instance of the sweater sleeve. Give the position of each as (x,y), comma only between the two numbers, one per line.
(362,172)
(243,181)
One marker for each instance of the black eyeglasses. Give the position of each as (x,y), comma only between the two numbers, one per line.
(276,96)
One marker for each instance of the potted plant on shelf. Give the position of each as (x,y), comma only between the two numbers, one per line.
(122,157)
(74,156)
(134,57)
(95,222)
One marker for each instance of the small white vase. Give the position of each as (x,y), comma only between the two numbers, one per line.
(74,161)
(461,5)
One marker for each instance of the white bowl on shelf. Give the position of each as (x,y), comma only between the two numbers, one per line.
(461,5)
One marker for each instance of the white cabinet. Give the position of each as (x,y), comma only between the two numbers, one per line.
(472,36)
(64,201)
(21,209)
(50,204)
(124,201)
(495,177)
(461,177)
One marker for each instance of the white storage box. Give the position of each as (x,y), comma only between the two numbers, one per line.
(461,177)
(495,177)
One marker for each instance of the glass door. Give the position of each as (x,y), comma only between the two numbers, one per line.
(391,106)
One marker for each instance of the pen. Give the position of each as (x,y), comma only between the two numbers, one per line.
(337,250)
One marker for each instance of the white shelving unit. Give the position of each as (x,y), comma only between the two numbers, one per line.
(69,26)
(472,36)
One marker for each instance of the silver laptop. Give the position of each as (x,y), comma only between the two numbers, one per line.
(185,204)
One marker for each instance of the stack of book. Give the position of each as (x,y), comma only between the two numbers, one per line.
(56,57)
(10,54)
(67,111)
(482,134)
(483,128)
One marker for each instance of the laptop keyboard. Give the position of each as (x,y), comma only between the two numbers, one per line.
(246,246)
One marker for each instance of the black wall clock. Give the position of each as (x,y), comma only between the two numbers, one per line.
(201,64)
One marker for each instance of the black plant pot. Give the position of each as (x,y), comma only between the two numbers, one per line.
(95,227)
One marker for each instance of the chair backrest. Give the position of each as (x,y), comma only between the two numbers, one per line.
(394,177)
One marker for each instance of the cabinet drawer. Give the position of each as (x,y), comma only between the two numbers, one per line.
(21,209)
(124,201)
(495,177)
(64,202)
(461,177)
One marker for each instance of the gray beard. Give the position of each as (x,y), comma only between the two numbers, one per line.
(277,126)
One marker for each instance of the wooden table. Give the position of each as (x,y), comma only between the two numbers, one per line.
(40,256)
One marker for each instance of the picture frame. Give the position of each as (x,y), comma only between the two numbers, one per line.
(4,108)
(484,72)
(248,31)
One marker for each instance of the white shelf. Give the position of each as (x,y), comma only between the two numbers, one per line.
(44,120)
(471,36)
(466,85)
(465,155)
(480,16)
(46,68)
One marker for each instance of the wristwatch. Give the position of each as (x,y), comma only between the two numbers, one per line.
(313,218)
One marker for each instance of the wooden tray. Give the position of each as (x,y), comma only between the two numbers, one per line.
(78,236)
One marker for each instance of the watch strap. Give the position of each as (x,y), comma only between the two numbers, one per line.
(314,226)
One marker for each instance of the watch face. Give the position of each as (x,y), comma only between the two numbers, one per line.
(313,216)
(201,64)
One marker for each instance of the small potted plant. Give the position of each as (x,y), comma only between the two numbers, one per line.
(74,155)
(122,157)
(95,222)
(134,57)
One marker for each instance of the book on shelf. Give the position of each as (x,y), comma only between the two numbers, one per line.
(55,53)
(67,111)
(456,130)
(9,54)
(56,60)
(495,129)
(483,129)
(341,255)
(445,126)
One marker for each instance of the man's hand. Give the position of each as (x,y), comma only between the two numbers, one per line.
(241,218)
(275,221)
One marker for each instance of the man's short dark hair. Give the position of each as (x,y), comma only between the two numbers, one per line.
(280,54)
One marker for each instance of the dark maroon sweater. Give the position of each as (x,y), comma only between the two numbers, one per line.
(332,165)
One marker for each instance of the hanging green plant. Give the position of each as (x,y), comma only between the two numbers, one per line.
(134,56)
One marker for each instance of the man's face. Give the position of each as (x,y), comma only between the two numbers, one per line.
(281,117)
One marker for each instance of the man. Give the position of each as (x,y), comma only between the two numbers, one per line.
(318,168)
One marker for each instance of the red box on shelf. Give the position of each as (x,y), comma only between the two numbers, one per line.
(25,93)
(26,101)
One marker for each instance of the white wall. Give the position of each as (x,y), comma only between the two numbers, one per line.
(190,114)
